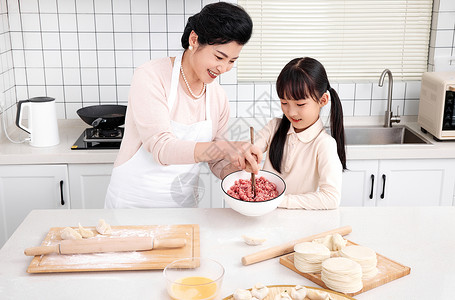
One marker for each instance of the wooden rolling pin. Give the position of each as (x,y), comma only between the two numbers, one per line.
(106,245)
(289,247)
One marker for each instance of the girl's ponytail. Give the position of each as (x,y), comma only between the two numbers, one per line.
(336,125)
(277,145)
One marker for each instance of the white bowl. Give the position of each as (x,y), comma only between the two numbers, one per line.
(250,208)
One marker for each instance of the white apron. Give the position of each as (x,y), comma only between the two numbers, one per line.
(142,182)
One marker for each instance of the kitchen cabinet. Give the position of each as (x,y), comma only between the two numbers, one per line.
(88,184)
(24,188)
(358,183)
(408,182)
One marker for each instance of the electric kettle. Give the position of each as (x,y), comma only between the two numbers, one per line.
(42,121)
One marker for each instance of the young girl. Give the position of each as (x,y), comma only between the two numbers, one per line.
(309,160)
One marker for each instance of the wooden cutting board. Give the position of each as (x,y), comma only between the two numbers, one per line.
(388,270)
(275,290)
(120,261)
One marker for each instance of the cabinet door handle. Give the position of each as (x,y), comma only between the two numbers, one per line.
(383,186)
(372,185)
(62,201)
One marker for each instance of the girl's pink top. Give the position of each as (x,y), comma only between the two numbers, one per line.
(310,167)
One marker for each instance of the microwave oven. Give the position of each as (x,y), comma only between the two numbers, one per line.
(437,105)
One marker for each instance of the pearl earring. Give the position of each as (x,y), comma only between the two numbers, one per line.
(191,48)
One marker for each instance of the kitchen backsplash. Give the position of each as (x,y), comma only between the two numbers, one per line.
(84,53)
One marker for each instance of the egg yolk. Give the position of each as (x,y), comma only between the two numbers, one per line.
(194,288)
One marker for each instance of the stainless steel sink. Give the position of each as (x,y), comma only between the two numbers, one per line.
(382,136)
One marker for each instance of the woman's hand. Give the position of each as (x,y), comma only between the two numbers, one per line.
(241,155)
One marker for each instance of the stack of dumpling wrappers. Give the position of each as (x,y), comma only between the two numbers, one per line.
(366,257)
(308,256)
(342,274)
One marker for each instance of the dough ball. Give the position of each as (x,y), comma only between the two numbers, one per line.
(85,233)
(69,233)
(103,227)
(253,241)
(241,294)
(260,291)
(298,292)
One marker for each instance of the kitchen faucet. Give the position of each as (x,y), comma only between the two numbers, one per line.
(389,117)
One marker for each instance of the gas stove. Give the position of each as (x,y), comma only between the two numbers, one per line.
(93,138)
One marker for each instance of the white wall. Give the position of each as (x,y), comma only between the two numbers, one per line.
(84,53)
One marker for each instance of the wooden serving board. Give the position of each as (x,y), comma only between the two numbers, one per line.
(277,289)
(388,270)
(120,261)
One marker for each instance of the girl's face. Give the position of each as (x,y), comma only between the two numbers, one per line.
(304,112)
(210,61)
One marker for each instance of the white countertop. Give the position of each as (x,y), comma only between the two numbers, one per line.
(421,238)
(70,130)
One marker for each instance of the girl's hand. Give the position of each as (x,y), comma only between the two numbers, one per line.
(242,155)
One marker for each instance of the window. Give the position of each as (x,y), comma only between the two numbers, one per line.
(353,39)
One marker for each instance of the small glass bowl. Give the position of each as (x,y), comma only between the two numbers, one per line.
(194,279)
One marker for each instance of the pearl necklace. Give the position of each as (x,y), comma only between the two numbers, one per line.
(188,86)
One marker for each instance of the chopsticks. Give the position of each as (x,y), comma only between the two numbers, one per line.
(253,180)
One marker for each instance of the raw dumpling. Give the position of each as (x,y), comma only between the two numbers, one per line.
(298,292)
(69,233)
(326,241)
(241,294)
(283,296)
(85,233)
(334,242)
(103,227)
(253,241)
(318,295)
(338,242)
(260,291)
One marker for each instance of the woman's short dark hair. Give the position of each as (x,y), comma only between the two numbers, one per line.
(219,23)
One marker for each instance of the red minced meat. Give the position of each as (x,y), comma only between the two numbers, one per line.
(265,190)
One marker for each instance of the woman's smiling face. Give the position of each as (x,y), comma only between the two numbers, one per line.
(210,61)
(304,112)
